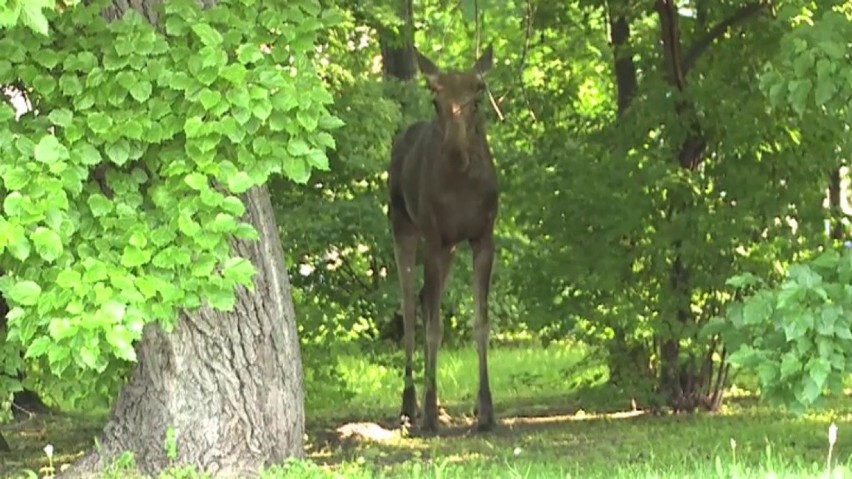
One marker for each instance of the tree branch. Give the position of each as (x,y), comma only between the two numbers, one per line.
(670,33)
(740,15)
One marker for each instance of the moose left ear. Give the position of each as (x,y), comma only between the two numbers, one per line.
(483,65)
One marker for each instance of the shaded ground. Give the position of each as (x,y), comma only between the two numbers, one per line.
(557,418)
(569,441)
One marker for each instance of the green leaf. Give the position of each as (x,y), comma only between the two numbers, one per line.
(188,226)
(297,170)
(61,117)
(6,112)
(240,182)
(118,152)
(99,204)
(318,160)
(88,154)
(207,34)
(16,178)
(69,279)
(239,271)
(49,150)
(234,206)
(121,339)
(96,271)
(32,15)
(88,355)
(834,50)
(790,365)
(309,119)
(39,347)
(25,292)
(193,127)
(204,265)
(134,256)
(197,181)
(248,53)
(298,147)
(61,328)
(18,243)
(209,98)
(799,92)
(100,123)
(141,91)
(223,223)
(47,244)
(235,73)
(222,299)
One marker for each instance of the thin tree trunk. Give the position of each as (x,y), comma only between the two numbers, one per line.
(835,207)
(229,384)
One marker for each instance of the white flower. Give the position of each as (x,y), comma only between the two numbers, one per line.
(832,434)
(49,451)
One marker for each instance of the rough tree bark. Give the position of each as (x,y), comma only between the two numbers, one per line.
(229,384)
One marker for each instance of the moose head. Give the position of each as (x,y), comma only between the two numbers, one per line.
(456,97)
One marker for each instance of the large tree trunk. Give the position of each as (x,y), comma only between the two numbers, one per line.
(230,384)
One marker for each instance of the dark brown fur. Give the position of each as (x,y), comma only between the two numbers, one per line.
(444,190)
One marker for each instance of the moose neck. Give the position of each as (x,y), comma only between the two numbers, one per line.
(462,146)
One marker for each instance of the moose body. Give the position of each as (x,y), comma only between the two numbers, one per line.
(443,189)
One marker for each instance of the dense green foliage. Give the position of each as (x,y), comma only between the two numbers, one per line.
(122,188)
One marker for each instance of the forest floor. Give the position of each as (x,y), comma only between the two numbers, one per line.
(557,418)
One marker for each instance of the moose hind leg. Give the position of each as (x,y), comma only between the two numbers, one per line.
(483,259)
(405,251)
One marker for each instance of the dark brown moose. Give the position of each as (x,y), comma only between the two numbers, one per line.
(443,188)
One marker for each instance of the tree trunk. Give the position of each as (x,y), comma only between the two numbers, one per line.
(835,207)
(230,384)
(398,47)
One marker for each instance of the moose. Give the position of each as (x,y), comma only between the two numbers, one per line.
(443,189)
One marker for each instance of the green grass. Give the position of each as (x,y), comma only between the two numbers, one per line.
(558,419)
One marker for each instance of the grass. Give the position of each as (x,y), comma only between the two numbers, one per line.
(558,419)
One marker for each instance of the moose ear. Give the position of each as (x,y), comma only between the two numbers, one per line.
(429,70)
(485,61)
(425,65)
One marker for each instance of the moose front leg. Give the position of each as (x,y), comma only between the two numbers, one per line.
(405,250)
(483,259)
(437,268)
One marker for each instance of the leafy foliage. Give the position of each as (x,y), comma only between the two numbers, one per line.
(122,189)
(797,335)
(795,332)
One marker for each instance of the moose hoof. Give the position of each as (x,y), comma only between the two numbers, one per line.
(485,425)
(409,405)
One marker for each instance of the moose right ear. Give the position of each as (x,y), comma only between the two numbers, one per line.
(425,65)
